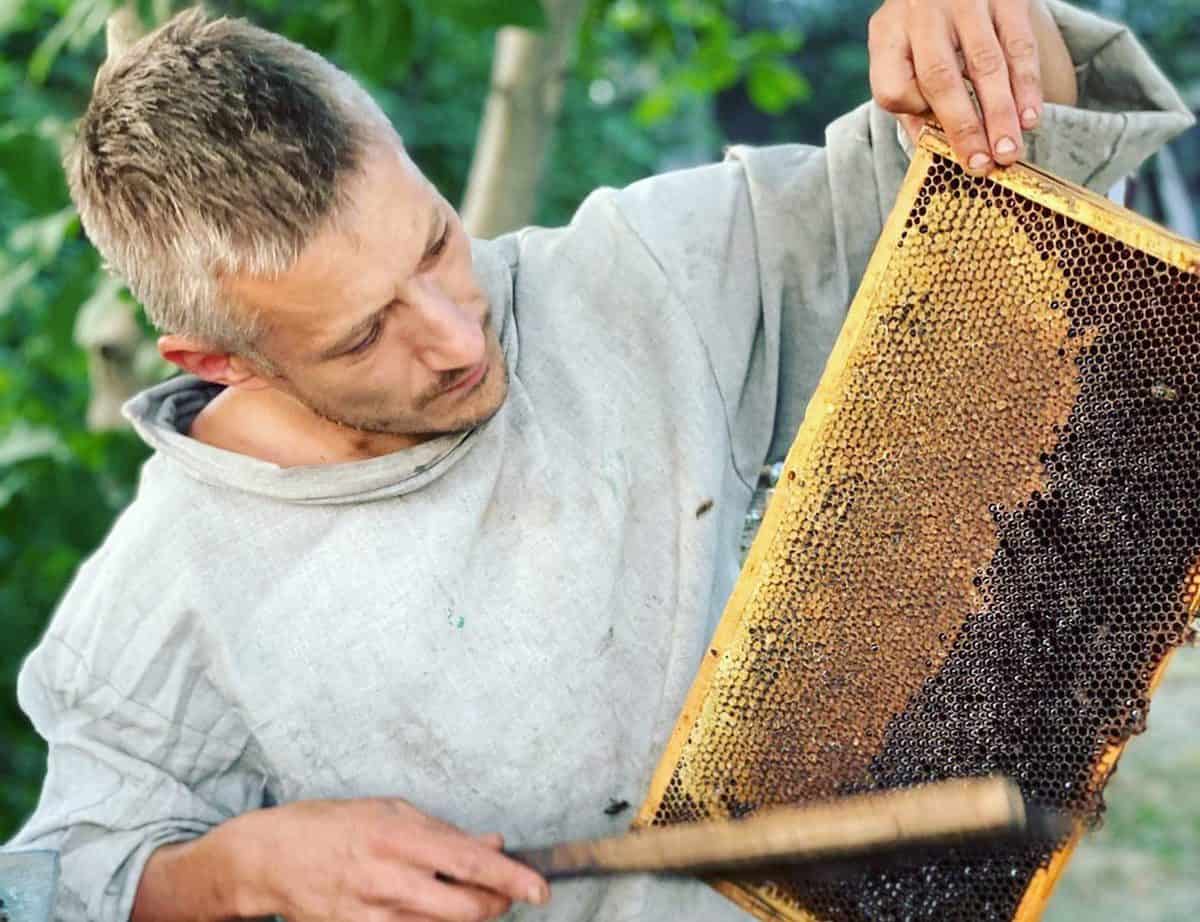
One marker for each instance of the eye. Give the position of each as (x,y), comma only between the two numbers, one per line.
(436,250)
(368,341)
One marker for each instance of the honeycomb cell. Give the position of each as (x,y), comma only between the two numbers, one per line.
(984,545)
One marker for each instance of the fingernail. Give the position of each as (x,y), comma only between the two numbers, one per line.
(538,894)
(1029,117)
(1005,145)
(979,161)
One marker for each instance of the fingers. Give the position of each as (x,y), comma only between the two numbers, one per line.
(893,80)
(469,861)
(942,85)
(919,52)
(1016,35)
(988,70)
(425,895)
(428,843)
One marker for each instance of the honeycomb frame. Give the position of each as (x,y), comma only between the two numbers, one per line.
(1032,213)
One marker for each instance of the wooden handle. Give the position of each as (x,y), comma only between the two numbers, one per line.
(942,812)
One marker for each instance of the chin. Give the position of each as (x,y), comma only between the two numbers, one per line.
(483,405)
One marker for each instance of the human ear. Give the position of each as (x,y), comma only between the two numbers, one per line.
(203,360)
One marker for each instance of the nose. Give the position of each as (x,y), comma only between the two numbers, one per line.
(445,335)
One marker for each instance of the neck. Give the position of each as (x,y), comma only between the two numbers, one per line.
(272,426)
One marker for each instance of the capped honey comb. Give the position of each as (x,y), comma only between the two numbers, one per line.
(981,551)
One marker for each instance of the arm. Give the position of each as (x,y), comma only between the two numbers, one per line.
(785,233)
(157,818)
(1054,60)
(201,875)
(320,860)
(1124,110)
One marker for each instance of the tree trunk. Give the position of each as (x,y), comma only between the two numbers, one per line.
(528,73)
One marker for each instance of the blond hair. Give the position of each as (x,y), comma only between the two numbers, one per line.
(209,148)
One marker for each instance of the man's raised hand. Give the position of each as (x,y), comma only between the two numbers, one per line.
(923,51)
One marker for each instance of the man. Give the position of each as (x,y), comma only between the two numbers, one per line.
(436,531)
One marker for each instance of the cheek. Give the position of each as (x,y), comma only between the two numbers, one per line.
(396,378)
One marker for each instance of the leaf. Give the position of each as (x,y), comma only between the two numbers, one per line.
(84,19)
(715,66)
(629,16)
(708,78)
(768,44)
(375,38)
(30,171)
(12,483)
(43,237)
(656,105)
(12,283)
(773,86)
(699,14)
(488,14)
(10,15)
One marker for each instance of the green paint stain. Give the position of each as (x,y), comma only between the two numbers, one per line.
(455,620)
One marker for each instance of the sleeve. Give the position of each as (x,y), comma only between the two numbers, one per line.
(125,777)
(790,229)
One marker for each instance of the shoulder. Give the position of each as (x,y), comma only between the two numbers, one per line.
(137,587)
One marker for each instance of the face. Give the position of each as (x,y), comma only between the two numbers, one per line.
(381,325)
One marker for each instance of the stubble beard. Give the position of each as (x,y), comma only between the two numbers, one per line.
(413,427)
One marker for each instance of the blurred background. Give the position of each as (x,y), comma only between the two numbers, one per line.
(590,93)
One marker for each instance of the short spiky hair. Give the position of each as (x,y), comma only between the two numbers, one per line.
(212,147)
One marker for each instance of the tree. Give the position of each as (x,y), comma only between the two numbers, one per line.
(528,72)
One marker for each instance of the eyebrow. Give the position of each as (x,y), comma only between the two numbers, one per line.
(359,330)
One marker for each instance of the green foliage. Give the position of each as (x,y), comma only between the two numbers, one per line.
(692,49)
(380,41)
(60,486)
